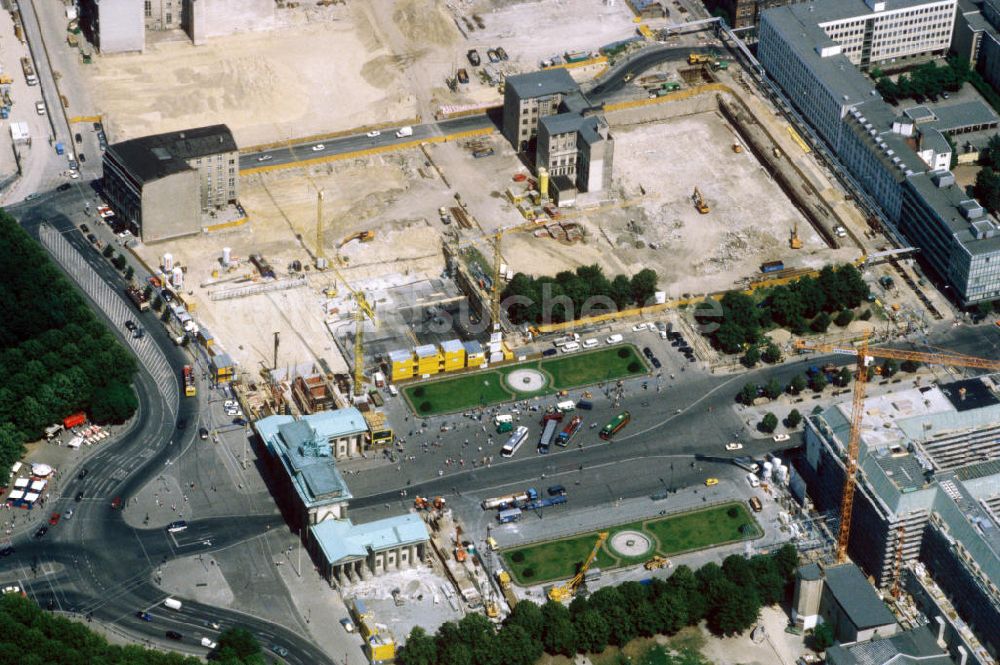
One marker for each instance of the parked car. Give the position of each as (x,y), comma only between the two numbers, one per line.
(347,624)
(778,438)
(473,56)
(734,446)
(78,137)
(462,75)
(500,52)
(92,238)
(656,362)
(492,55)
(84,228)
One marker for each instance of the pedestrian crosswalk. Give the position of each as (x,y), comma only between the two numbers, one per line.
(116,308)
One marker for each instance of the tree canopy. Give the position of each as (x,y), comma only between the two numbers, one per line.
(56,357)
(728,596)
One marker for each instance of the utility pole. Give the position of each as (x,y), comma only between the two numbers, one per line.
(277,339)
(246,443)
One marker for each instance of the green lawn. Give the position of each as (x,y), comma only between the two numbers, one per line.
(699,529)
(486,388)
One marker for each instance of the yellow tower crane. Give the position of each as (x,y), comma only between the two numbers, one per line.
(865,355)
(566,591)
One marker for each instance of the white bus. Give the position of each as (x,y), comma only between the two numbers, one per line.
(514,442)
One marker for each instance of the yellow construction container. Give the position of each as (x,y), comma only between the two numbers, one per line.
(454,355)
(402,364)
(429,359)
(543,183)
(474,354)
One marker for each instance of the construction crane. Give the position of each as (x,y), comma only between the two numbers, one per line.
(566,591)
(363,310)
(699,202)
(321,261)
(865,356)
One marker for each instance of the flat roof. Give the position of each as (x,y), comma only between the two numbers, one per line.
(541,83)
(149,158)
(955,117)
(946,202)
(342,540)
(907,648)
(857,597)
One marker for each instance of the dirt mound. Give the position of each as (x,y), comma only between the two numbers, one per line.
(422,25)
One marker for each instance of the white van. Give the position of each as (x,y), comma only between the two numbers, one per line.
(590,343)
(753,480)
(567,406)
(393,390)
(207,643)
(403,132)
(172,603)
(614,339)
(503,418)
(15,469)
(570,347)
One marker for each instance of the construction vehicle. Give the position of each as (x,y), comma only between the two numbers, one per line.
(717,65)
(656,563)
(564,592)
(29,71)
(363,236)
(865,356)
(699,202)
(794,241)
(737,148)
(699,59)
(421,503)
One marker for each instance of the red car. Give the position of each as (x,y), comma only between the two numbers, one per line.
(54,518)
(117,503)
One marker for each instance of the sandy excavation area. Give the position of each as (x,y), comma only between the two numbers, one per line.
(749,223)
(333,72)
(391,195)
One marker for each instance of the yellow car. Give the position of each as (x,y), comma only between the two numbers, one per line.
(709,482)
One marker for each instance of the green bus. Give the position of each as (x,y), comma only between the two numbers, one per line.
(615,425)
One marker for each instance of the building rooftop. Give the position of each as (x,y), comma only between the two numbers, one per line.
(562,123)
(335,424)
(857,597)
(810,572)
(826,11)
(452,346)
(149,158)
(542,83)
(912,647)
(976,230)
(964,115)
(342,540)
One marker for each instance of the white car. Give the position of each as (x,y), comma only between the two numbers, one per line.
(373,134)
(778,438)
(230,404)
(590,343)
(73,175)
(264,158)
(734,446)
(318,147)
(639,327)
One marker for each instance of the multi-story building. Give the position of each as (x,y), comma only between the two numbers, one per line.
(162,185)
(546,112)
(928,490)
(810,51)
(528,98)
(744,13)
(163,14)
(113,26)
(302,454)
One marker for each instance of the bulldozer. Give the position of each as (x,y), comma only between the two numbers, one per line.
(699,202)
(656,563)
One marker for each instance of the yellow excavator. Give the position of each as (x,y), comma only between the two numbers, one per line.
(699,202)
(564,592)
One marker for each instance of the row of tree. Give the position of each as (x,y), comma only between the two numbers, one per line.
(31,636)
(570,295)
(55,356)
(923,81)
(817,380)
(738,321)
(728,597)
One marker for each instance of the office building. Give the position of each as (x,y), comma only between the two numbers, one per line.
(810,51)
(162,185)
(113,26)
(929,490)
(744,13)
(545,113)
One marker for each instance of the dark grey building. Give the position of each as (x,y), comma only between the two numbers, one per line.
(907,648)
(162,185)
(527,98)
(842,598)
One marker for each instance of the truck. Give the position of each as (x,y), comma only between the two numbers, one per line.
(60,149)
(403,132)
(576,56)
(509,515)
(29,71)
(138,297)
(615,425)
(548,434)
(567,432)
(510,499)
(698,59)
(190,390)
(772,266)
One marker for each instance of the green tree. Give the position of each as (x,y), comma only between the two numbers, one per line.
(987,189)
(820,323)
(798,384)
(773,389)
(822,637)
(237,642)
(643,286)
(748,394)
(787,560)
(890,367)
(420,649)
(129,273)
(119,262)
(517,647)
(772,353)
(844,318)
(157,303)
(610,603)
(736,615)
(768,423)
(751,357)
(844,377)
(559,634)
(909,366)
(818,382)
(528,616)
(793,419)
(592,631)
(108,251)
(621,291)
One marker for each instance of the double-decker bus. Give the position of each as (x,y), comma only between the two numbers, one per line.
(615,425)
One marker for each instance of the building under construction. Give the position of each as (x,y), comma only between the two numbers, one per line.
(928,490)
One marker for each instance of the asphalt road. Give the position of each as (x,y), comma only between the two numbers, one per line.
(613,82)
(96,564)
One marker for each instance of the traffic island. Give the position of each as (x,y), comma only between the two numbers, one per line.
(632,543)
(520,380)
